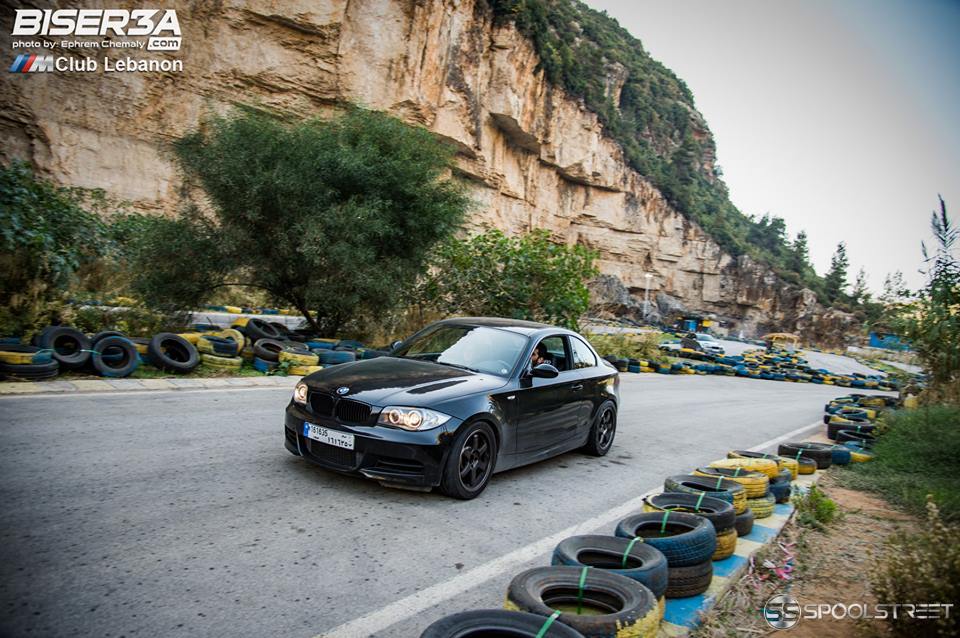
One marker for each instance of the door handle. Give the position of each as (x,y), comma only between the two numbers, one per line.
(579,386)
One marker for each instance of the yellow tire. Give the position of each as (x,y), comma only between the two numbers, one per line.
(298,358)
(790,464)
(768,467)
(17,358)
(762,507)
(239,322)
(221,362)
(860,457)
(236,335)
(234,310)
(302,371)
(247,354)
(192,337)
(754,483)
(726,544)
(204,345)
(807,468)
(142,348)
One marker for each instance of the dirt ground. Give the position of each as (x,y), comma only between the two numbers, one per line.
(828,567)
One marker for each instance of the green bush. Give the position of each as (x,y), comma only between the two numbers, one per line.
(336,218)
(643,346)
(917,454)
(815,509)
(920,568)
(46,234)
(526,277)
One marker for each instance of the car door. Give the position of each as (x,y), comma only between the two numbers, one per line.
(586,391)
(547,411)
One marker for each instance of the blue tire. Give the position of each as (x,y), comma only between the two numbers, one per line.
(684,539)
(645,564)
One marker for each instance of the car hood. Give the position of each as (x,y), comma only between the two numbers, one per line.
(394,381)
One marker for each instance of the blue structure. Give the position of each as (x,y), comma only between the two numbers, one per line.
(887,340)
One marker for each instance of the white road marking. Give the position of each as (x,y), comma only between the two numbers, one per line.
(376,621)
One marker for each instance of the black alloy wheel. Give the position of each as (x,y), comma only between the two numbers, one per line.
(475,460)
(471,462)
(602,432)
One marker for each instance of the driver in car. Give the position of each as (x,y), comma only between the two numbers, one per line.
(539,355)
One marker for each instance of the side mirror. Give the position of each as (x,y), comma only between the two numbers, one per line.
(544,371)
(395,344)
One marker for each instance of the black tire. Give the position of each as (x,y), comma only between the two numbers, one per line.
(70,346)
(723,489)
(483,623)
(684,582)
(744,523)
(173,353)
(834,429)
(685,539)
(783,476)
(781,492)
(95,339)
(645,564)
(627,603)
(283,331)
(30,371)
(817,452)
(851,436)
(110,366)
(470,461)
(296,346)
(603,431)
(268,349)
(38,354)
(717,511)
(258,329)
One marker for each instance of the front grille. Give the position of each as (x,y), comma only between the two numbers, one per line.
(331,454)
(321,404)
(399,466)
(350,411)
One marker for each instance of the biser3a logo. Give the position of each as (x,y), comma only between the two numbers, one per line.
(781,611)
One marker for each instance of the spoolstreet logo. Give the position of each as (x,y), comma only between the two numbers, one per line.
(31,63)
(781,611)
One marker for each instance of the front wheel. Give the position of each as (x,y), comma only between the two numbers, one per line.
(470,462)
(603,430)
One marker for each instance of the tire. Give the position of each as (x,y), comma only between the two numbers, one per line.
(257,329)
(807,466)
(761,507)
(834,429)
(850,436)
(817,452)
(839,455)
(221,362)
(724,489)
(603,431)
(858,454)
(30,371)
(744,524)
(268,349)
(718,512)
(693,580)
(172,353)
(333,357)
(474,450)
(754,483)
(298,358)
(687,539)
(645,564)
(726,544)
(783,463)
(302,371)
(295,346)
(263,365)
(142,344)
(234,335)
(781,491)
(769,467)
(17,354)
(626,607)
(219,346)
(115,366)
(95,339)
(70,346)
(784,476)
(496,622)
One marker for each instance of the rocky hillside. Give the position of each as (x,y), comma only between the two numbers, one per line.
(537,156)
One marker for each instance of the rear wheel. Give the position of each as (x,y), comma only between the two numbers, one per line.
(603,430)
(470,463)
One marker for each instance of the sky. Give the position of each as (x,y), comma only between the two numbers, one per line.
(841,116)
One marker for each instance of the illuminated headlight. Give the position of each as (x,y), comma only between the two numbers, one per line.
(412,418)
(300,393)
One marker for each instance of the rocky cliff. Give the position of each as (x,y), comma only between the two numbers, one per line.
(536,158)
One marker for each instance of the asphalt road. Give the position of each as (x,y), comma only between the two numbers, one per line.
(181,514)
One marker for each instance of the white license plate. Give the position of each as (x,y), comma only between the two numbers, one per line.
(330,437)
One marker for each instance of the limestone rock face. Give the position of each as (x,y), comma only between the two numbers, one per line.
(536,158)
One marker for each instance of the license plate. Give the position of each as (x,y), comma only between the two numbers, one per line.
(330,437)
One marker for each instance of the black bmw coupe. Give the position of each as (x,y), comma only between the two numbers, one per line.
(456,402)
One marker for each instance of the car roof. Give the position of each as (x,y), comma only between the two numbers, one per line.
(514,325)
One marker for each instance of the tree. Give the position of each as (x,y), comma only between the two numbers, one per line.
(836,280)
(860,293)
(334,217)
(798,256)
(526,277)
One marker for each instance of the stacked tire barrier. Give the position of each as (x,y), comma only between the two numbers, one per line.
(851,422)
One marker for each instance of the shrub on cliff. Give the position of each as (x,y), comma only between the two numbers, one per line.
(46,234)
(334,217)
(525,277)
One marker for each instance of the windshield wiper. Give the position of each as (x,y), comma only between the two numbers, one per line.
(457,365)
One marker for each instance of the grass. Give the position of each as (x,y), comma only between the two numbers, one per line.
(145,371)
(917,454)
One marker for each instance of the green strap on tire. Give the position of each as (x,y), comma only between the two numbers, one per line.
(546,625)
(583,579)
(633,542)
(719,482)
(736,472)
(799,452)
(663,524)
(699,500)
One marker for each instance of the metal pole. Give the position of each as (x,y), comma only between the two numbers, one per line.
(646,297)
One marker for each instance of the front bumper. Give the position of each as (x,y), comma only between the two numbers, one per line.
(389,455)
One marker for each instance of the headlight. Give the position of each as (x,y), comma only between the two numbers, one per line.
(412,418)
(300,393)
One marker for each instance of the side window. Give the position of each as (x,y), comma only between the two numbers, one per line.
(583,357)
(555,353)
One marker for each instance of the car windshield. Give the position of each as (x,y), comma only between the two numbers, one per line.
(705,337)
(476,348)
